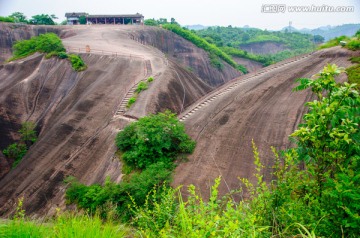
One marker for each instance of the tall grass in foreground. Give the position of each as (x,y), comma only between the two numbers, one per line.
(67,225)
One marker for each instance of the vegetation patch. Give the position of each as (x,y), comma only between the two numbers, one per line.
(142,86)
(314,191)
(202,43)
(230,39)
(149,146)
(131,101)
(334,42)
(17,151)
(50,44)
(152,139)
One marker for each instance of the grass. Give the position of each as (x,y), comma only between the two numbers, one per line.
(142,86)
(66,225)
(333,42)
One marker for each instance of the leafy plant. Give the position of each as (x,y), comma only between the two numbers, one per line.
(131,101)
(6,19)
(141,87)
(201,43)
(76,62)
(152,139)
(17,151)
(150,79)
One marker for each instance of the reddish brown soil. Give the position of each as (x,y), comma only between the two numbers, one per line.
(264,110)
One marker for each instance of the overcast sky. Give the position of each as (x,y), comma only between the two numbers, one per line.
(190,12)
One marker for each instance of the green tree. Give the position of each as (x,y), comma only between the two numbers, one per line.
(151,22)
(152,139)
(43,19)
(28,133)
(19,17)
(6,19)
(329,144)
(318,39)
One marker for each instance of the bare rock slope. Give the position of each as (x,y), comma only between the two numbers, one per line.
(260,107)
(77,112)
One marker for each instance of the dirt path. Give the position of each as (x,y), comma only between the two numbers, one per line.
(262,108)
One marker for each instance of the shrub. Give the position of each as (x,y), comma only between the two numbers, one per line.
(131,101)
(95,197)
(150,79)
(334,42)
(48,43)
(201,43)
(16,152)
(354,44)
(141,87)
(6,19)
(152,139)
(76,62)
(62,55)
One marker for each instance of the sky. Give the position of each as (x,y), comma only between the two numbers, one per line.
(204,12)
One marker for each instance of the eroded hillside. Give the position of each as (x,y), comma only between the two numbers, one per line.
(261,107)
(76,113)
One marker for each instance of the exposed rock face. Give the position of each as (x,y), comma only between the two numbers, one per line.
(263,109)
(75,113)
(183,52)
(4,165)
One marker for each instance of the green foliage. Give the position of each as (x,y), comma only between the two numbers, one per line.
(28,133)
(357,34)
(321,200)
(96,197)
(48,43)
(141,87)
(353,44)
(329,143)
(45,43)
(264,59)
(76,62)
(43,19)
(18,17)
(353,72)
(62,55)
(152,139)
(64,225)
(334,42)
(7,19)
(150,22)
(230,39)
(16,152)
(150,79)
(131,101)
(201,43)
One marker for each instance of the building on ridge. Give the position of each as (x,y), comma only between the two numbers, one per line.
(74,18)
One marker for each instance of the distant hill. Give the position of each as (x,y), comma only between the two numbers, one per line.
(328,32)
(195,27)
